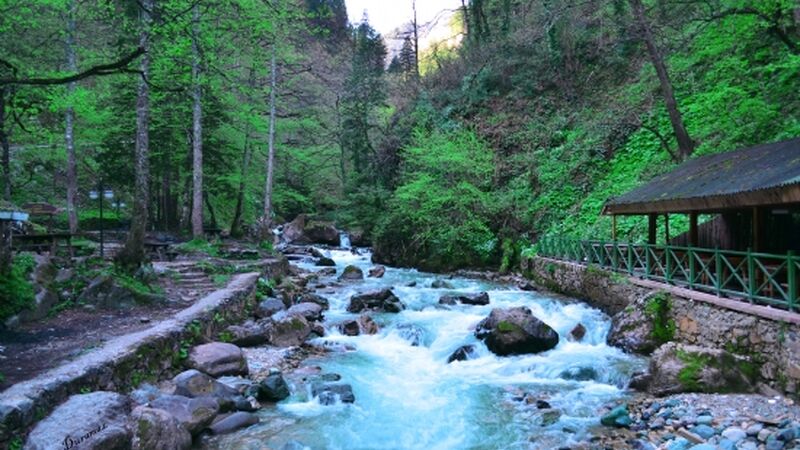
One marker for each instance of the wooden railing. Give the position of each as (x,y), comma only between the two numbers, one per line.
(762,278)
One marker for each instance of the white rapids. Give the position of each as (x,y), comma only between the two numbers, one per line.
(408,397)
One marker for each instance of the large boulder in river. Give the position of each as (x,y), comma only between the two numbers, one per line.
(319,232)
(351,273)
(330,393)
(193,383)
(250,333)
(325,262)
(377,272)
(218,359)
(91,421)
(314,298)
(228,423)
(632,329)
(462,353)
(676,368)
(515,331)
(304,231)
(268,307)
(271,389)
(380,301)
(362,325)
(312,312)
(466,299)
(288,331)
(194,414)
(156,429)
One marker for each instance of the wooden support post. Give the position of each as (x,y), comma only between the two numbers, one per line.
(614,228)
(666,228)
(758,227)
(651,229)
(693,237)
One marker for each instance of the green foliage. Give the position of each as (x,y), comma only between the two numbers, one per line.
(16,290)
(266,288)
(658,309)
(439,215)
(200,246)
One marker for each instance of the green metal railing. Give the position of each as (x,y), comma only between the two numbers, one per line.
(761,278)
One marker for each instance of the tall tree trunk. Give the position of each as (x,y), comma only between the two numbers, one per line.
(214,223)
(5,226)
(69,120)
(132,255)
(236,223)
(197,130)
(416,42)
(267,219)
(685,143)
(5,138)
(465,19)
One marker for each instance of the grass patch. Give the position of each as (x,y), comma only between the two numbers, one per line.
(16,291)
(199,246)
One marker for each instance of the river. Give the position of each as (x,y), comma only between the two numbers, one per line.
(409,397)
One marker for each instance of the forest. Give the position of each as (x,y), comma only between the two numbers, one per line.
(241,115)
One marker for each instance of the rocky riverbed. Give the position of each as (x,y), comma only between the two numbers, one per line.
(358,356)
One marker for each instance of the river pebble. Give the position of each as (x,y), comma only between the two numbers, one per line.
(705,422)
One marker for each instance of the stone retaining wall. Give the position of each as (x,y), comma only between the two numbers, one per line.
(774,344)
(126,361)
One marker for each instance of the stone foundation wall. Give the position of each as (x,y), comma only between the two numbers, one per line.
(773,345)
(125,362)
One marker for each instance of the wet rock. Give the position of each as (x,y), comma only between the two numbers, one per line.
(380,301)
(676,368)
(351,273)
(231,422)
(411,284)
(466,299)
(195,414)
(704,431)
(578,333)
(321,232)
(327,272)
(156,429)
(377,272)
(515,331)
(312,312)
(362,325)
(550,416)
(617,417)
(734,434)
(273,388)
(314,298)
(289,331)
(462,353)
(250,333)
(324,261)
(579,374)
(527,286)
(193,384)
(145,393)
(329,393)
(449,300)
(96,421)
(441,284)
(218,359)
(414,334)
(632,329)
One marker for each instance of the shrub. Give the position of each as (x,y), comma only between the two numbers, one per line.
(16,291)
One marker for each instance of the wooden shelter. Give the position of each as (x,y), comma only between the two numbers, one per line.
(754,192)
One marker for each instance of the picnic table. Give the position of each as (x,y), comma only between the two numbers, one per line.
(161,249)
(42,242)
